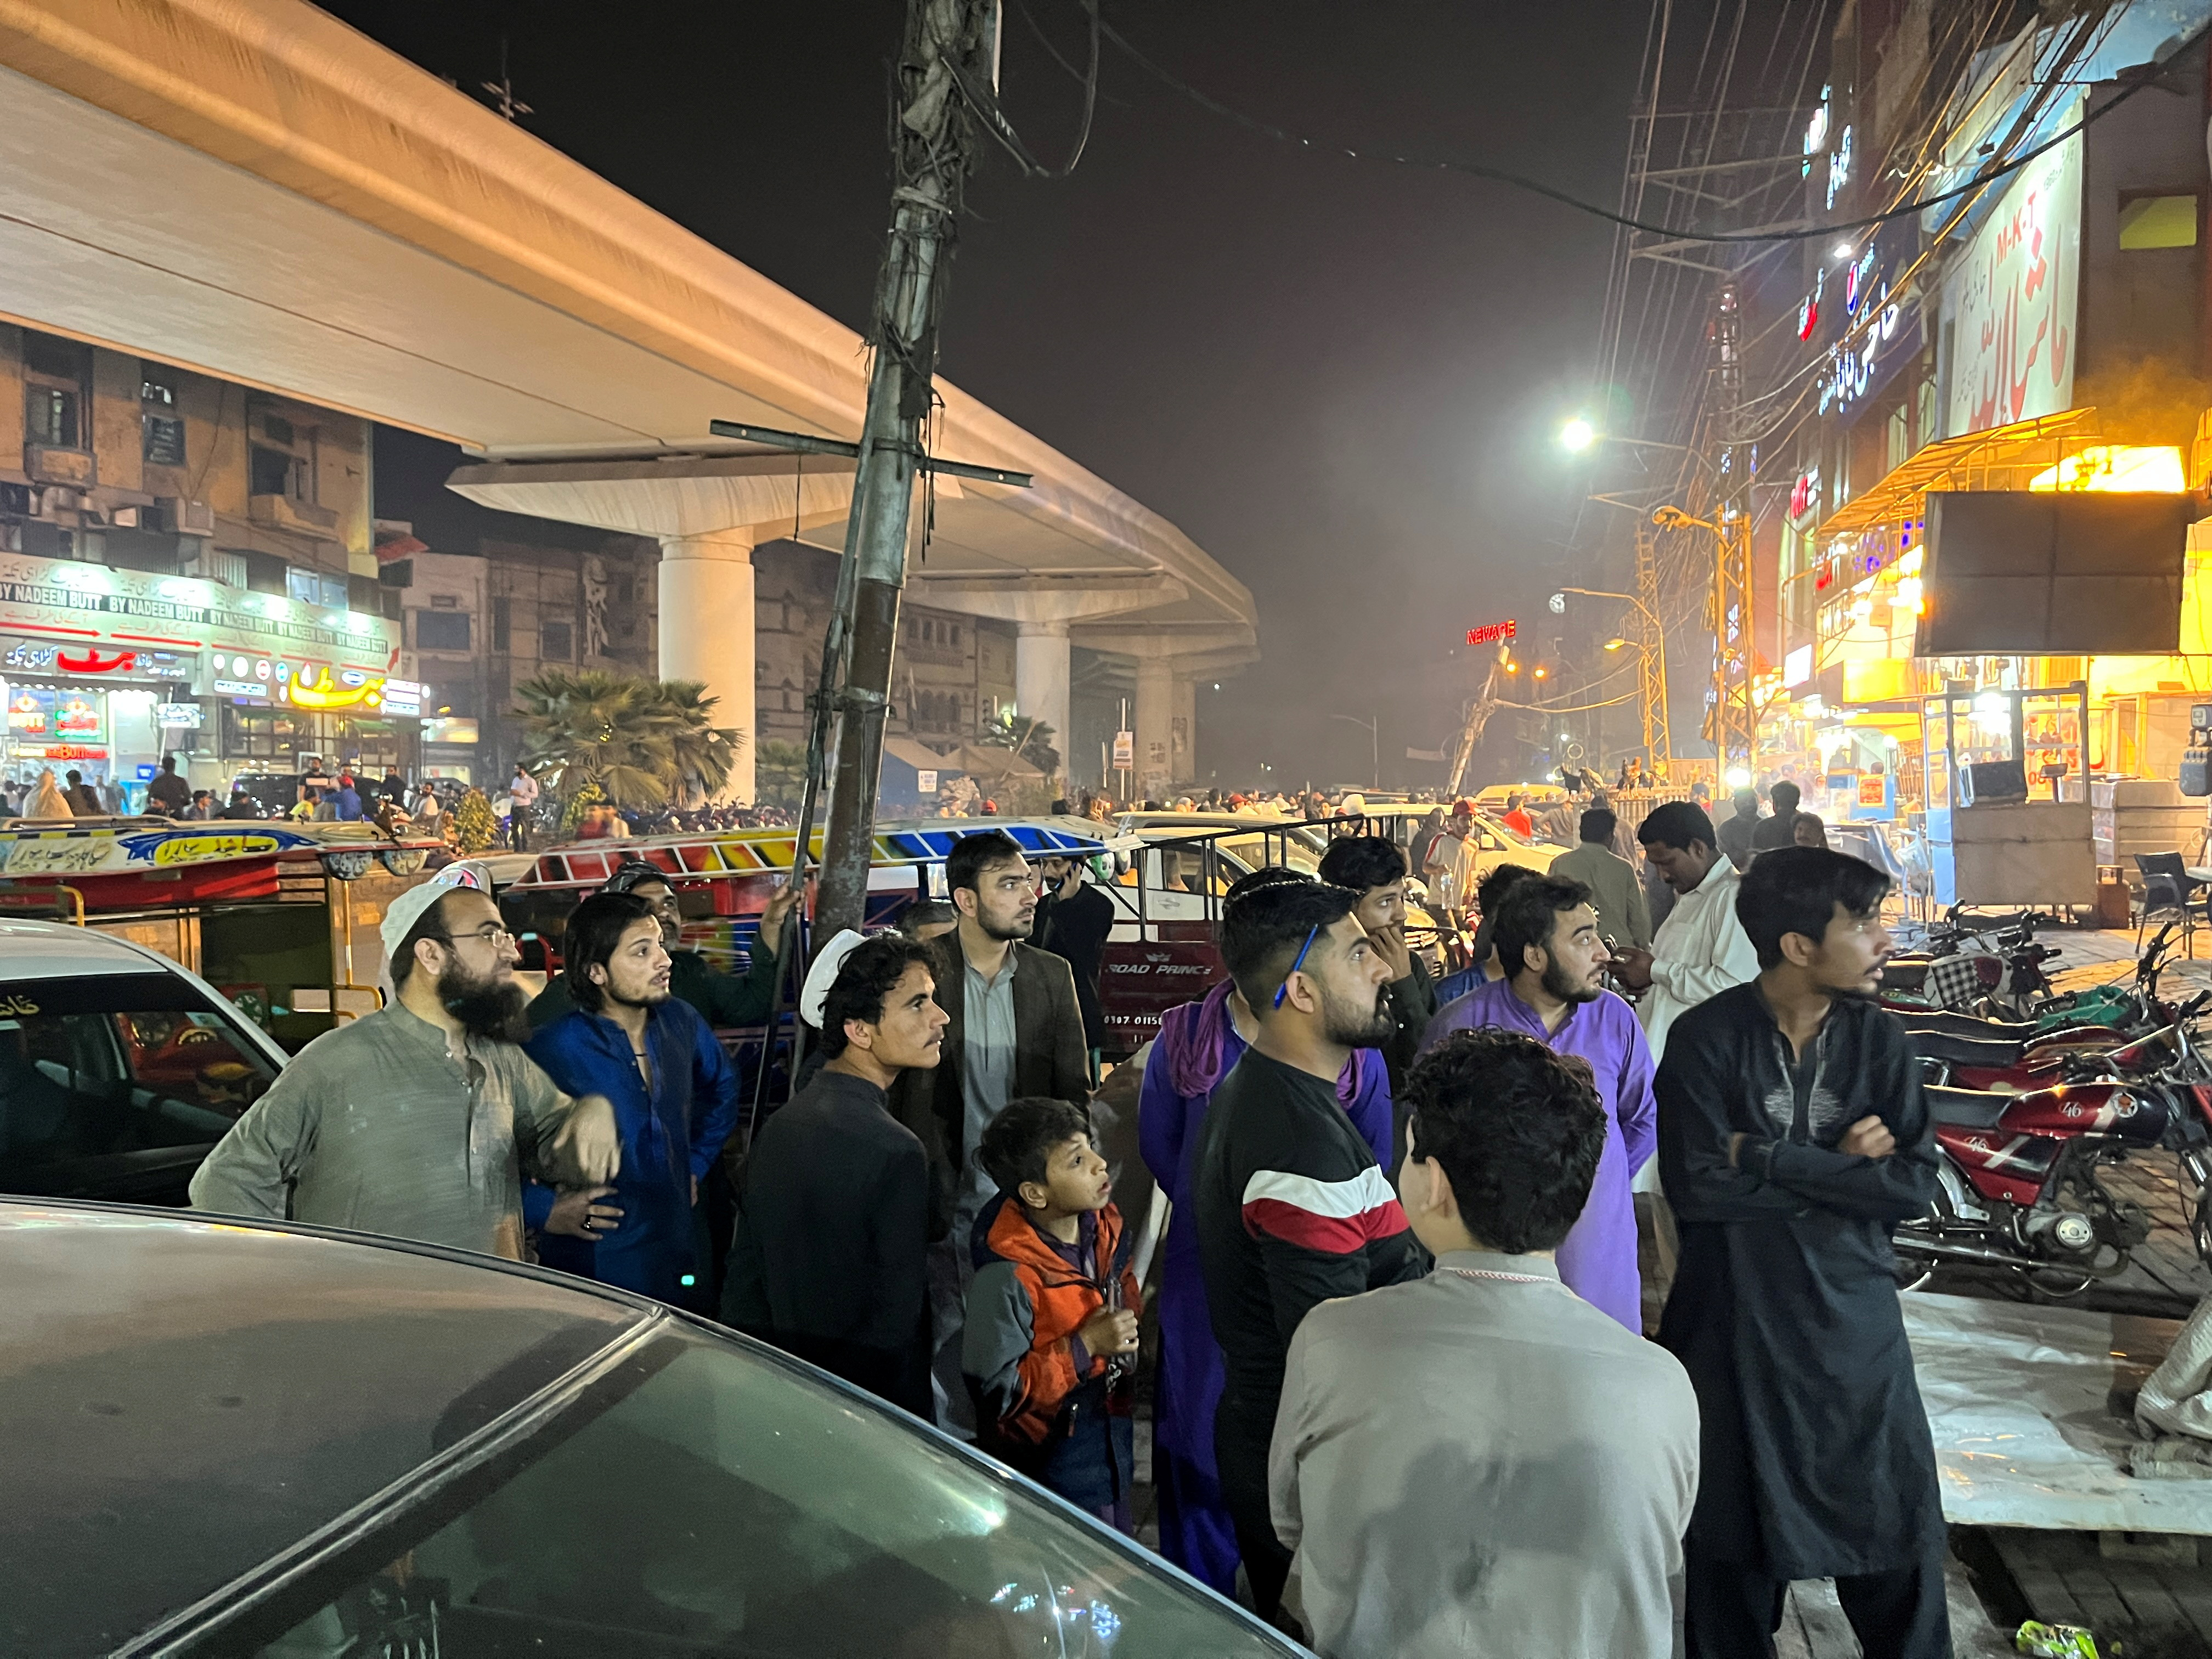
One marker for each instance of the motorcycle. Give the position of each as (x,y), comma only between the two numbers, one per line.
(2019,1174)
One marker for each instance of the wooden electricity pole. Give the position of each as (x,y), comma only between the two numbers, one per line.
(1478,716)
(950,46)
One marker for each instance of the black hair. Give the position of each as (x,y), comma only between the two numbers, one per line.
(1263,931)
(924,912)
(1785,789)
(1599,823)
(1528,914)
(971,855)
(1268,875)
(595,928)
(1518,1130)
(633,873)
(1493,888)
(431,924)
(1019,1142)
(1677,824)
(1795,890)
(1360,864)
(867,975)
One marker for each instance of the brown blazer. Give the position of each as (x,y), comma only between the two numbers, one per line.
(1051,1055)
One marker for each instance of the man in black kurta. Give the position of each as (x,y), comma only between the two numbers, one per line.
(1792,1136)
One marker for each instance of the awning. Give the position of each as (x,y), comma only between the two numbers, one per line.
(1001,763)
(920,756)
(1966,461)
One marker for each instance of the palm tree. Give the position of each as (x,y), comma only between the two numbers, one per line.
(779,775)
(1029,739)
(610,731)
(704,753)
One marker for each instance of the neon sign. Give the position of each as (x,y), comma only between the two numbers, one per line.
(92,662)
(1492,633)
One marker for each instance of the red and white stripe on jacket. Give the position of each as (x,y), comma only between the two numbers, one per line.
(1334,1217)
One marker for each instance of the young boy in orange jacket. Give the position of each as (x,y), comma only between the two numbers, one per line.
(1050,1348)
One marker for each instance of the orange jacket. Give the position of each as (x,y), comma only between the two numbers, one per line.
(1023,1311)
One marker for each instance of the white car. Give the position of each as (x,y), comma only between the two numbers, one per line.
(119,1069)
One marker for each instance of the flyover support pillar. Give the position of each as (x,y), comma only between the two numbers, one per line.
(707,632)
(1042,674)
(1156,701)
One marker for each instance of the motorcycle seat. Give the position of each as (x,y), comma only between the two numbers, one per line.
(1966,1050)
(1965,1108)
(1966,1025)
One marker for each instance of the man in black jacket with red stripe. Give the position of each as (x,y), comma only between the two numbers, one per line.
(1291,1208)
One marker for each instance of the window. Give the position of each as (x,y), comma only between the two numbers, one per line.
(54,375)
(278,430)
(735,1507)
(2148,222)
(315,587)
(556,641)
(956,633)
(50,416)
(156,387)
(163,440)
(102,1073)
(502,618)
(441,630)
(266,573)
(272,471)
(445,602)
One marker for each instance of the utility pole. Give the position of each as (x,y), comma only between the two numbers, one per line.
(948,43)
(1731,722)
(1651,660)
(1478,716)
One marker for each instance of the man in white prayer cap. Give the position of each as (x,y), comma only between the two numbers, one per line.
(418,1120)
(831,1260)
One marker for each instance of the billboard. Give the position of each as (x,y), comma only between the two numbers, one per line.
(2014,296)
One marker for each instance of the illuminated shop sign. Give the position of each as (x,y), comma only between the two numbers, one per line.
(1805,493)
(1491,633)
(36,711)
(184,716)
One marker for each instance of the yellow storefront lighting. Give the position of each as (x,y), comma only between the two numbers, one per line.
(2151,469)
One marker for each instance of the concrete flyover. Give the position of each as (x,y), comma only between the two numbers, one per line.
(252,189)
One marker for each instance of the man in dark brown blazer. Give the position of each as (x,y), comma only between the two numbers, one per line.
(1015,1031)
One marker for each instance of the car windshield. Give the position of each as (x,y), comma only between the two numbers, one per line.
(706,1498)
(102,1076)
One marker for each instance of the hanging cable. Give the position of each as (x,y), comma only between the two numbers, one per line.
(1676,233)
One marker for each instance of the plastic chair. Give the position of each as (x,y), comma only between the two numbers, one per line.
(2167,889)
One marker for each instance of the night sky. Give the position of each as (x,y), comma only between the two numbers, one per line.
(1340,380)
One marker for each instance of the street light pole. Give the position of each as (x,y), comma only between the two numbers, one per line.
(1650,653)
(1374,744)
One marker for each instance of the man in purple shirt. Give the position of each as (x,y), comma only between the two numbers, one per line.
(1547,939)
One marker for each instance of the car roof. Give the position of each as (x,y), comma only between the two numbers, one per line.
(165,1368)
(56,949)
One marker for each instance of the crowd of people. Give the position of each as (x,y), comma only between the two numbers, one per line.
(1403,1401)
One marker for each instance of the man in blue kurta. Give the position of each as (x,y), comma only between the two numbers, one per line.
(675,1096)
(1547,939)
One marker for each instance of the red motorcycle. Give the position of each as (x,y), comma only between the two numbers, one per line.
(2019,1173)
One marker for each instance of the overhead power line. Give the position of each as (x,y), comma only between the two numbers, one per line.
(1537,187)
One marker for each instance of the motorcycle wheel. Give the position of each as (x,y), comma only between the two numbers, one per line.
(2200,1226)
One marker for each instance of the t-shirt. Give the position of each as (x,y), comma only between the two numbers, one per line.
(1292,1209)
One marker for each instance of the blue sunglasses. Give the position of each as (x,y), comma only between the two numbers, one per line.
(1284,990)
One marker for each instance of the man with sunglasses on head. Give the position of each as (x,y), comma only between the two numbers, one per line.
(421,1120)
(1290,1205)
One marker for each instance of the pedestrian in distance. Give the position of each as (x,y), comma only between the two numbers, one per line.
(1701,949)
(830,1258)
(1489,893)
(928,919)
(1015,1031)
(1737,831)
(1374,870)
(168,794)
(421,1120)
(1481,1461)
(1073,922)
(1515,818)
(1624,920)
(1781,828)
(1050,1347)
(675,1094)
(1555,992)
(83,803)
(1809,831)
(1291,1206)
(1199,1044)
(522,792)
(1792,1138)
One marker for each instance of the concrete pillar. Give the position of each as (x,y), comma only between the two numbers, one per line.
(1183,744)
(1040,676)
(1155,712)
(707,632)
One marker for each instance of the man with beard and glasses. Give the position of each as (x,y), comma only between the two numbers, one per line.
(1289,1204)
(675,1095)
(418,1120)
(1792,1138)
(1015,1031)
(1554,991)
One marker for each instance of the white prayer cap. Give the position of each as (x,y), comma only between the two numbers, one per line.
(403,912)
(822,975)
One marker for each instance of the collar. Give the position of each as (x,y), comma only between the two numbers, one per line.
(413,1028)
(1722,872)
(1006,972)
(1497,1261)
(1536,1020)
(844,1082)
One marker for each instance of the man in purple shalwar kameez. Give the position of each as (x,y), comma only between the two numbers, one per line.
(1198,1044)
(1547,937)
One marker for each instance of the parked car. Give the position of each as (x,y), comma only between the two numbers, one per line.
(234,1438)
(119,1069)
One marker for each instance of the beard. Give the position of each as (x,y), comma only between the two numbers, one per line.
(652,998)
(485,1007)
(1557,984)
(1007,928)
(1350,1026)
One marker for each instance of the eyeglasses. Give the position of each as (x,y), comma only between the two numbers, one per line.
(497,938)
(1300,962)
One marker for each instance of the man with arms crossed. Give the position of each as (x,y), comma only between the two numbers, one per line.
(1482,1462)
